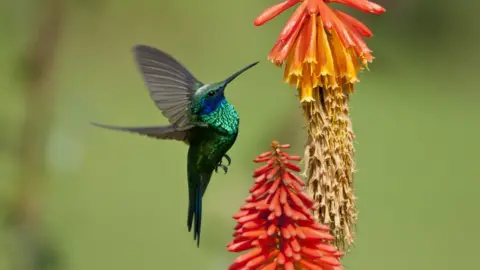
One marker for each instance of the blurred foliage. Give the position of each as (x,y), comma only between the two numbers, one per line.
(119,201)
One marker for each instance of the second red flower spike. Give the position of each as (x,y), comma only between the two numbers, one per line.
(275,224)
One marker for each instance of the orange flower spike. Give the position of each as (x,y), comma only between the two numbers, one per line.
(324,49)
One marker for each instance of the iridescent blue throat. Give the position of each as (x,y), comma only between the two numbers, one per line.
(209,105)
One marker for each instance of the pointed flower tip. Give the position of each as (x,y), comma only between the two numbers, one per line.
(377,9)
(275,225)
(363,5)
(273,11)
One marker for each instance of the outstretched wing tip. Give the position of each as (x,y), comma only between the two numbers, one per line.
(139,50)
(136,48)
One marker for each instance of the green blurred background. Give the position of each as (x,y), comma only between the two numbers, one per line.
(119,201)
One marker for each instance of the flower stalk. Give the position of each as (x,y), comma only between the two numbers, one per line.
(276,226)
(323,50)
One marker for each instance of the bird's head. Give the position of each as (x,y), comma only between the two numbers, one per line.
(210,96)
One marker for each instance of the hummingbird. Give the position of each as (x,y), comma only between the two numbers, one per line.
(199,115)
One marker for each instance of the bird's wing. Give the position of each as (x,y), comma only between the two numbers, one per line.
(170,84)
(158,132)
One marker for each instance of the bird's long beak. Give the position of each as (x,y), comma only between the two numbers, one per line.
(231,78)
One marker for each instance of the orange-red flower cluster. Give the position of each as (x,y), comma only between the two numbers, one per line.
(323,45)
(275,224)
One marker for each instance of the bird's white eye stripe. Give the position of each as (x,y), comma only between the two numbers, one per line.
(202,89)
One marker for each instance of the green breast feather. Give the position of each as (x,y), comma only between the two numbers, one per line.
(224,119)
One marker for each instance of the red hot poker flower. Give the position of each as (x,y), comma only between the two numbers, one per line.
(323,50)
(276,225)
(322,46)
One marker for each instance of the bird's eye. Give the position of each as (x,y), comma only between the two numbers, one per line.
(212,93)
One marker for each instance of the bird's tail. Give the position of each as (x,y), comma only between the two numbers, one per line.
(158,132)
(196,191)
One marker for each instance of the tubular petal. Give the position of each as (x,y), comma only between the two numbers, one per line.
(261,159)
(293,177)
(271,229)
(247,256)
(274,11)
(258,233)
(265,154)
(299,55)
(270,266)
(289,266)
(314,234)
(329,260)
(293,23)
(281,52)
(324,52)
(283,195)
(325,15)
(354,23)
(272,173)
(292,166)
(253,224)
(309,265)
(295,245)
(308,41)
(240,246)
(255,262)
(261,179)
(362,5)
(249,217)
(312,7)
(262,170)
(285,233)
(274,187)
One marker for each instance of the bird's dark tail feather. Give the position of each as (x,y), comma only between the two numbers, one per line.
(158,132)
(195,211)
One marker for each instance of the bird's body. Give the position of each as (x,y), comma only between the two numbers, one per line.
(208,145)
(199,115)
(211,143)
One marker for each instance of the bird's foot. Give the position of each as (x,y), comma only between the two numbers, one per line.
(220,165)
(228,159)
